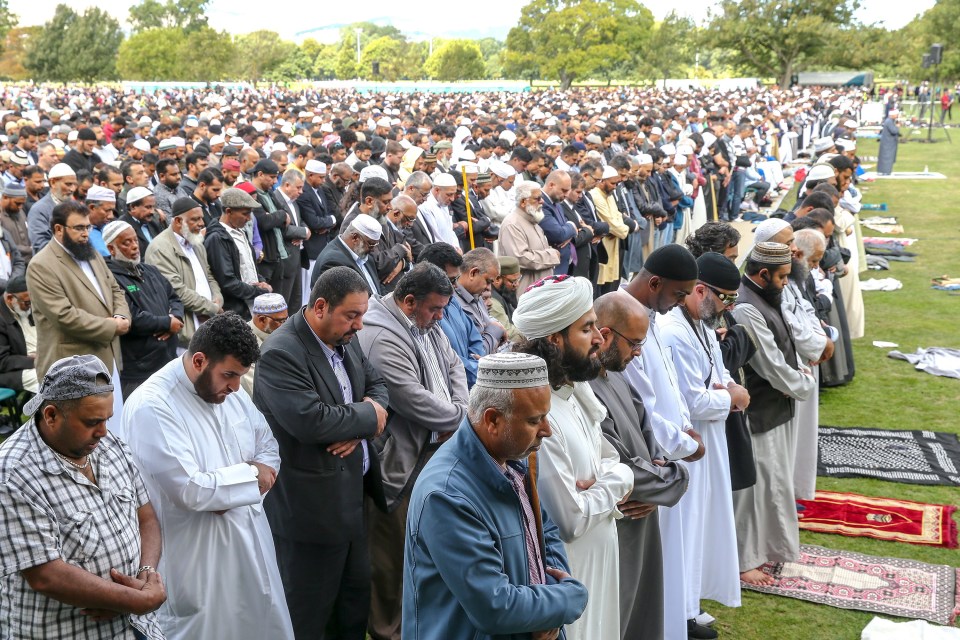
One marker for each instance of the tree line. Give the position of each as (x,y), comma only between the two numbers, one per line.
(565,41)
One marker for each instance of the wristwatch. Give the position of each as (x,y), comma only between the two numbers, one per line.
(256,470)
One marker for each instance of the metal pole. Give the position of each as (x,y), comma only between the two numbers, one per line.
(936,76)
(358,32)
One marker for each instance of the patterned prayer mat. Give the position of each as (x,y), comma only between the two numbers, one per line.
(914,457)
(849,580)
(849,514)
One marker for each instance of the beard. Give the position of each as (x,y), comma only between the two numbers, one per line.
(535,212)
(799,271)
(195,239)
(612,359)
(80,250)
(771,294)
(125,261)
(709,316)
(204,388)
(581,368)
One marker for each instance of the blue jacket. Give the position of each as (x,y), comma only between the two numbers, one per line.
(465,563)
(463,337)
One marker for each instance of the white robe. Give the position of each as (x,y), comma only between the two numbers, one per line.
(810,339)
(850,283)
(587,520)
(653,376)
(710,536)
(220,571)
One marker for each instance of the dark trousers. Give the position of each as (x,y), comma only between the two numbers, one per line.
(387,535)
(327,588)
(290,280)
(129,386)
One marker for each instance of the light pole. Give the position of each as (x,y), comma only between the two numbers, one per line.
(358,31)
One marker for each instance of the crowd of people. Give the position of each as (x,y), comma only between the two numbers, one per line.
(484,365)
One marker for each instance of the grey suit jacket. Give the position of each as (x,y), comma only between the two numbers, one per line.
(629,432)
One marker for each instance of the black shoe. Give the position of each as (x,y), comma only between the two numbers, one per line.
(699,632)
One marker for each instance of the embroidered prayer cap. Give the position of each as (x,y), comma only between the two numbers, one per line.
(445,180)
(718,271)
(483,177)
(552,304)
(70,379)
(19,158)
(509,370)
(609,172)
(61,170)
(96,193)
(771,253)
(769,228)
(15,190)
(822,144)
(137,194)
(114,229)
(269,303)
(821,172)
(672,262)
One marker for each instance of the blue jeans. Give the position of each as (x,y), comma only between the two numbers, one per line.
(735,190)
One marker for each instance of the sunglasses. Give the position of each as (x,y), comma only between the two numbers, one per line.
(726,298)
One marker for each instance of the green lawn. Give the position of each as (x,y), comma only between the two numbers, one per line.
(885,393)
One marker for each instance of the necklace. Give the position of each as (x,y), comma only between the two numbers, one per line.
(72,463)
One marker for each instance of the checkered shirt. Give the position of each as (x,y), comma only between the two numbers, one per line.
(50,511)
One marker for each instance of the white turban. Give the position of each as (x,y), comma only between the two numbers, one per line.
(551,305)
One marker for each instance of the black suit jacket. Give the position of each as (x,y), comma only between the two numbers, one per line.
(586,252)
(318,497)
(154,227)
(318,217)
(336,255)
(13,351)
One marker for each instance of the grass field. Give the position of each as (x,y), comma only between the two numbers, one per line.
(885,393)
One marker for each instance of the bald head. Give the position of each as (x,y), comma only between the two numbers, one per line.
(624,323)
(557,185)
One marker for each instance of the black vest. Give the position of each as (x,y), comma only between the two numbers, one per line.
(769,407)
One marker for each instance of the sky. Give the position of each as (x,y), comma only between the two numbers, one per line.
(431,18)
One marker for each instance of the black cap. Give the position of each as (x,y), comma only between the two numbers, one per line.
(266,166)
(182,205)
(718,271)
(672,262)
(86,134)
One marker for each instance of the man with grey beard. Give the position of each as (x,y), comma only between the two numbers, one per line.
(156,311)
(706,509)
(178,253)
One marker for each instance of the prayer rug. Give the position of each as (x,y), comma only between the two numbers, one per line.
(848,580)
(913,457)
(849,514)
(905,175)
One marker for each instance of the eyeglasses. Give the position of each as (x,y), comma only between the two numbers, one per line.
(635,345)
(726,298)
(79,228)
(454,279)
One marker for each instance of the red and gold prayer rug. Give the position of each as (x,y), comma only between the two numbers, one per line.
(850,514)
(848,580)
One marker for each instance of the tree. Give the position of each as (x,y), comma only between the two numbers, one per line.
(152,55)
(940,24)
(7,22)
(262,51)
(325,64)
(72,47)
(671,47)
(187,15)
(15,52)
(492,50)
(393,59)
(346,55)
(777,37)
(574,39)
(455,60)
(207,55)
